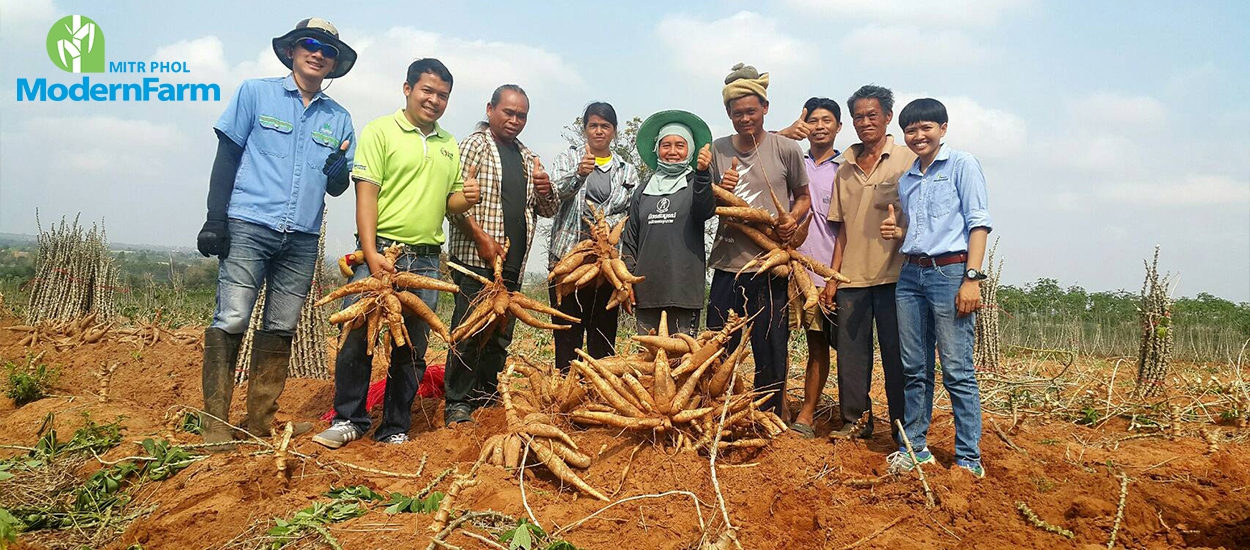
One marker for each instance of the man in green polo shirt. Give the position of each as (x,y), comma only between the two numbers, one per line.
(407,172)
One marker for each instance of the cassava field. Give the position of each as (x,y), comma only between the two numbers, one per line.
(105,457)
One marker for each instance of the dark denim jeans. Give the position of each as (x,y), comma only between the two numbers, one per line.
(353,367)
(927,318)
(473,367)
(765,298)
(258,255)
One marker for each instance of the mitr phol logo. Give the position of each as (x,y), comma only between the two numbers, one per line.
(76,45)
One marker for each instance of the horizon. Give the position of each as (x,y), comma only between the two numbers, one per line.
(1077,112)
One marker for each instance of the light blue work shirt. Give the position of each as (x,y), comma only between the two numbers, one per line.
(944,204)
(285,145)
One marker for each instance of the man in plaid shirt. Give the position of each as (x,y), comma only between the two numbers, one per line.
(515,190)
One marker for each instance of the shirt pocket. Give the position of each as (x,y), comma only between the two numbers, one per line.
(885,194)
(273,137)
(941,196)
(324,145)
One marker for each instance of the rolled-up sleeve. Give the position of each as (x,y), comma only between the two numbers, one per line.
(973,198)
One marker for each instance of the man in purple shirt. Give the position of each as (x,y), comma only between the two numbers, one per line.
(820,123)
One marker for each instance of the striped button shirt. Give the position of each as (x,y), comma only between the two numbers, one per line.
(479,150)
(566,228)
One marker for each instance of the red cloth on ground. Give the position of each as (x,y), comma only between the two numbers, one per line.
(431,387)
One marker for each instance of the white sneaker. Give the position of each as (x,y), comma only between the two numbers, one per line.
(397,439)
(340,433)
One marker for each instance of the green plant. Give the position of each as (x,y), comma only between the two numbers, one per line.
(345,504)
(528,536)
(9,528)
(1089,416)
(30,383)
(191,423)
(167,460)
(314,518)
(400,504)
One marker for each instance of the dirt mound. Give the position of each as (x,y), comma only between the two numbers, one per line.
(796,493)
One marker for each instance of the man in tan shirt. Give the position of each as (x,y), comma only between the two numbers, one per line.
(866,193)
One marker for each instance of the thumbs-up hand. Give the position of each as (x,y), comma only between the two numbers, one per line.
(705,158)
(889,227)
(472,191)
(337,161)
(729,180)
(542,181)
(799,130)
(587,164)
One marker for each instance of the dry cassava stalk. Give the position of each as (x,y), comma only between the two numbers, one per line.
(74,274)
(988,340)
(384,299)
(1156,341)
(1038,522)
(595,261)
(494,304)
(106,377)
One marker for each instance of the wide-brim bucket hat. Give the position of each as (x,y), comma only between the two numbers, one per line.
(322,30)
(651,128)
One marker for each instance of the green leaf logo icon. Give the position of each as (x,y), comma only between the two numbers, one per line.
(76,45)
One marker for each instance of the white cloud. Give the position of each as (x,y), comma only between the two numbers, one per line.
(913,45)
(19,13)
(1196,190)
(105,144)
(706,50)
(1119,112)
(932,13)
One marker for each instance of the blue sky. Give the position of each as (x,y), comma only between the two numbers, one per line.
(1103,127)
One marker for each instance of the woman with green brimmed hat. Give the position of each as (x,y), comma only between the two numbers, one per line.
(663,239)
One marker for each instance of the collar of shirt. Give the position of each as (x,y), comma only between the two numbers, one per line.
(832,158)
(943,155)
(288,83)
(854,151)
(402,120)
(612,161)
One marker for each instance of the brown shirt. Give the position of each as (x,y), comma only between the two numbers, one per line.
(859,204)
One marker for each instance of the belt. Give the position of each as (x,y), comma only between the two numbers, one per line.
(939,260)
(411,249)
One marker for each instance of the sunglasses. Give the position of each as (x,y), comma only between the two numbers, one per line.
(313,46)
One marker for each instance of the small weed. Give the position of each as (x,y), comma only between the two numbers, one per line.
(1049,441)
(1043,484)
(191,423)
(1089,416)
(30,383)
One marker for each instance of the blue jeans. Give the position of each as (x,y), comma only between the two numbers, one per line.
(927,318)
(258,255)
(353,366)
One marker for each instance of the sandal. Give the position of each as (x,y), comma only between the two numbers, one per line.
(805,431)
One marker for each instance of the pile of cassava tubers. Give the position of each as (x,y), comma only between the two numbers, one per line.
(780,256)
(383,300)
(681,399)
(595,261)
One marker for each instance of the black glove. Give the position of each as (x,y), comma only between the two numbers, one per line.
(336,173)
(214,239)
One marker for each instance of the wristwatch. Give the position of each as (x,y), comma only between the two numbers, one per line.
(975,275)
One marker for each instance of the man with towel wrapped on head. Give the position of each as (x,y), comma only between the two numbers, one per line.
(748,164)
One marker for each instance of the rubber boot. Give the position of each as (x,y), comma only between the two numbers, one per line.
(266,377)
(221,353)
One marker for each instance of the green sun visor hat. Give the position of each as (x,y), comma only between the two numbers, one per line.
(324,32)
(651,127)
